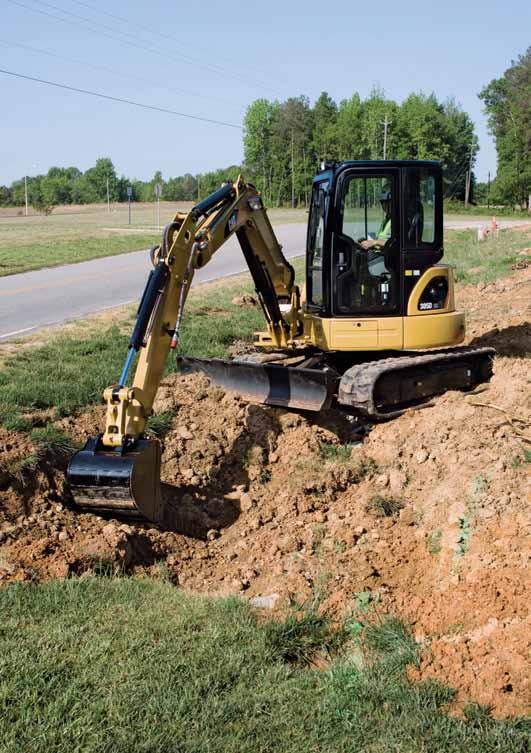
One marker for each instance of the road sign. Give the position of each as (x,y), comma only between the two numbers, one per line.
(158,190)
(129,191)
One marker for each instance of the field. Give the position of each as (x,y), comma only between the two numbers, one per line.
(79,233)
(323,586)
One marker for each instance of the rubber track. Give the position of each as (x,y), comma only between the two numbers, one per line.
(356,387)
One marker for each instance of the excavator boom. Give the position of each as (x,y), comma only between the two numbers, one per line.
(119,470)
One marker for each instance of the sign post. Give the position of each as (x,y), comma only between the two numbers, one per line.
(158,191)
(129,194)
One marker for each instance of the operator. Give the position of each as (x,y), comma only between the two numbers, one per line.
(384,232)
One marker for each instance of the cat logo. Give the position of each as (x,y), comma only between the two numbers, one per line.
(231,223)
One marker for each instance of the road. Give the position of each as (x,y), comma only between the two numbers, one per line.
(47,297)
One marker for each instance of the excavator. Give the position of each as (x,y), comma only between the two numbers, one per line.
(373,331)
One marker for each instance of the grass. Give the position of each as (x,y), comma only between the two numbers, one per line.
(434,542)
(24,258)
(487,261)
(102,664)
(338,453)
(71,371)
(384,507)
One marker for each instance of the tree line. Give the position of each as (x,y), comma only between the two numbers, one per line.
(69,185)
(284,142)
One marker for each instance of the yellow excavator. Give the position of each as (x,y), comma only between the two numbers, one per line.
(375,295)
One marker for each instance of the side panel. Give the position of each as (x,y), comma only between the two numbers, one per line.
(434,331)
(384,333)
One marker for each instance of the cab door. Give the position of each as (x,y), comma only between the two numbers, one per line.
(366,244)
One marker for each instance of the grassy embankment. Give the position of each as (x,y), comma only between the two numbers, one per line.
(71,369)
(120,665)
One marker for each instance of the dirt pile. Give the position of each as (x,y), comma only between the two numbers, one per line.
(425,516)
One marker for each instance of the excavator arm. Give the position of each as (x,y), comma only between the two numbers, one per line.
(119,470)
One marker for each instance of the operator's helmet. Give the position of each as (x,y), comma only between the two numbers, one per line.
(385,194)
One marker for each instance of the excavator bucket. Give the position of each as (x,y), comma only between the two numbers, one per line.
(122,483)
(268,383)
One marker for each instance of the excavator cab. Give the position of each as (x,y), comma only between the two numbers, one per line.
(374,228)
(375,296)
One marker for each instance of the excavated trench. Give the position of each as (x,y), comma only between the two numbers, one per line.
(426,516)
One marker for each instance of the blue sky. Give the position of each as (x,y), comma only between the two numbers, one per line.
(212,59)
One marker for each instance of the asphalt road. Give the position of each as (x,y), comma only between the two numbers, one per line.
(47,297)
(33,300)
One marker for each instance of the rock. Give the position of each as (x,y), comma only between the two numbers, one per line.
(188,473)
(360,530)
(63,536)
(59,508)
(184,433)
(397,482)
(422,455)
(195,480)
(246,502)
(110,532)
(264,602)
(381,481)
(244,300)
(213,534)
(320,517)
(407,516)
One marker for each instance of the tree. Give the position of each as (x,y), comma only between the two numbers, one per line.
(96,180)
(259,126)
(324,130)
(507,104)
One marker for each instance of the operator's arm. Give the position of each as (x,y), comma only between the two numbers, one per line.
(383,236)
(188,243)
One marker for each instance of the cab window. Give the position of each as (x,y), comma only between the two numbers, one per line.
(420,207)
(316,230)
(367,212)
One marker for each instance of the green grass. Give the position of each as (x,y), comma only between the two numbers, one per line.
(338,453)
(71,371)
(100,664)
(23,258)
(487,261)
(384,507)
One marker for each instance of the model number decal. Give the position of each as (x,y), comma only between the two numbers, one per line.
(425,306)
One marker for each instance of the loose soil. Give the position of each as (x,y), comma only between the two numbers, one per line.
(425,516)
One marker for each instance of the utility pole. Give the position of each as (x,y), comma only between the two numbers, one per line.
(386,123)
(26,193)
(292,172)
(108,198)
(469,176)
(488,191)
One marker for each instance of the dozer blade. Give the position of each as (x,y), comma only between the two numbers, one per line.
(268,384)
(124,483)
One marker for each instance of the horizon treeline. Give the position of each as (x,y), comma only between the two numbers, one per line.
(284,144)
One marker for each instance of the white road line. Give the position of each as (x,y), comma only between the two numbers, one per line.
(17,332)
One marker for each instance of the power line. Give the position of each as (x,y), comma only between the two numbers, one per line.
(106,69)
(119,99)
(155,32)
(121,36)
